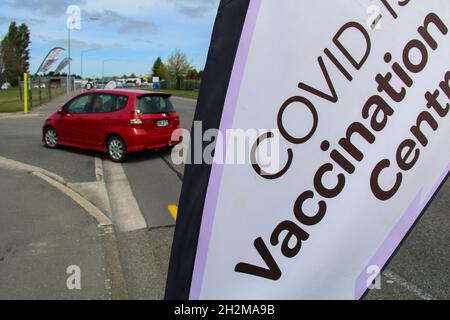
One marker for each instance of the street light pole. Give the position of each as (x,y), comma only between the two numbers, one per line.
(68,76)
(82,53)
(70,62)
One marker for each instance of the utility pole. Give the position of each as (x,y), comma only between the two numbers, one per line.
(69,74)
(69,80)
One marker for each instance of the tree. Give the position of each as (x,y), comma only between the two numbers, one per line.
(23,48)
(192,75)
(10,60)
(2,67)
(178,66)
(159,68)
(15,52)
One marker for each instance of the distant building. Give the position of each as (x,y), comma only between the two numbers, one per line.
(130,80)
(54,81)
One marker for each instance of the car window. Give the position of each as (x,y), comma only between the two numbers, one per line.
(79,105)
(121,102)
(152,104)
(105,103)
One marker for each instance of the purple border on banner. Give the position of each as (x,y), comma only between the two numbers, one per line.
(396,236)
(216,171)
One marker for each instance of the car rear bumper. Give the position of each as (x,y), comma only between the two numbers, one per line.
(140,140)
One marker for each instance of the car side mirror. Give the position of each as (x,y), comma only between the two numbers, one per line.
(62,111)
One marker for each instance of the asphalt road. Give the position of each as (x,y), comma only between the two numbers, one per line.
(155,181)
(156,184)
(419,270)
(21,140)
(40,237)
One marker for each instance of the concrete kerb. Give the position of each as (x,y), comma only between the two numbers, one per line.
(18,115)
(59,183)
(114,267)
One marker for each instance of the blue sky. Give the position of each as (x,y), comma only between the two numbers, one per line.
(132,33)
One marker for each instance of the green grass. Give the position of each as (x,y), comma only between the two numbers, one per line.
(181,93)
(10,99)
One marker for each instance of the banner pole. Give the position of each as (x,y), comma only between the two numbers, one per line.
(40,92)
(25,92)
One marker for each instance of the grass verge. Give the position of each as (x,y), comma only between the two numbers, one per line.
(180,93)
(10,99)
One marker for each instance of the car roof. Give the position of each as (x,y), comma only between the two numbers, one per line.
(125,92)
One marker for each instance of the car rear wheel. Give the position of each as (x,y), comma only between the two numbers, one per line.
(50,138)
(117,149)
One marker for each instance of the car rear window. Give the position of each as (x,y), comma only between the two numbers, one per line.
(106,103)
(153,104)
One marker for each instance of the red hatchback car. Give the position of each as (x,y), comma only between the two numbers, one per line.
(114,121)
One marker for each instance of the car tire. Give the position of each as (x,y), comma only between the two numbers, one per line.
(117,149)
(50,138)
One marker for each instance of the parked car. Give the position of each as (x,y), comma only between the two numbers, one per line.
(6,86)
(36,86)
(114,121)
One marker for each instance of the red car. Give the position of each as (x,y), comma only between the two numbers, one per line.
(114,121)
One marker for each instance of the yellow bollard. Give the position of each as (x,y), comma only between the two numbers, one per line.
(25,92)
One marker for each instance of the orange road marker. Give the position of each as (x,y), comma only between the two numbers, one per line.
(173,211)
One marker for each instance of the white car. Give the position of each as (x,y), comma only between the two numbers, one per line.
(6,86)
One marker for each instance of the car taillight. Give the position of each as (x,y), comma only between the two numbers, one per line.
(136,121)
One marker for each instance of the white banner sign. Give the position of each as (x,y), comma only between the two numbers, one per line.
(111,85)
(50,60)
(360,96)
(63,65)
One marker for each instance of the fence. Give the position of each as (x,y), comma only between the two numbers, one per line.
(43,90)
(186,85)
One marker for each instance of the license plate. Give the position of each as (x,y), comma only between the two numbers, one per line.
(162,123)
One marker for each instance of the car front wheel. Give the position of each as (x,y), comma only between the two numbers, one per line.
(117,149)
(50,138)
